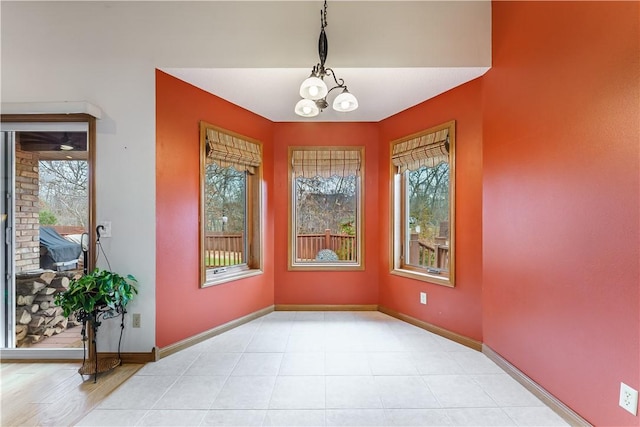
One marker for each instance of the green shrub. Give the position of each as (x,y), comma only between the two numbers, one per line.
(47,218)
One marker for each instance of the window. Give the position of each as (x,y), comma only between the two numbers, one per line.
(325,227)
(423,205)
(230,206)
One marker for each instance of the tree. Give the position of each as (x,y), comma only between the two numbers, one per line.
(63,187)
(325,203)
(225,196)
(429,198)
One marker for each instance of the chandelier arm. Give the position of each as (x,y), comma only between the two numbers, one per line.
(316,71)
(339,82)
(335,87)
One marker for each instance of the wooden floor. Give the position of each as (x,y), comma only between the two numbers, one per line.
(53,394)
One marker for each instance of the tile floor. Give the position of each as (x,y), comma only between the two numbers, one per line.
(323,369)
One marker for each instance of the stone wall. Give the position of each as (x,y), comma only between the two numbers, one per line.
(27,221)
(37,317)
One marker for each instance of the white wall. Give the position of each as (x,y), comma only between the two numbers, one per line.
(106,53)
(43,59)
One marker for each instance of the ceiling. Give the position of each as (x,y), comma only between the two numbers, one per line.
(273,92)
(54,145)
(391,54)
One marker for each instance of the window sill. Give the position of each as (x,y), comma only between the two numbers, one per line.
(218,279)
(325,267)
(423,277)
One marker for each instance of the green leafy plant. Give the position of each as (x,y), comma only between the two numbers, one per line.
(345,251)
(347,227)
(47,218)
(99,290)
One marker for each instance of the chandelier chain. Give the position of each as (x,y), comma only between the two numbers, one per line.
(323,16)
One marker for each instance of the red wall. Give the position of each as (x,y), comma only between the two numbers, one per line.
(183,309)
(330,287)
(457,309)
(561,138)
(547,238)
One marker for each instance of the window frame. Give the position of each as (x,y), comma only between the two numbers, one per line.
(253,219)
(359,264)
(398,215)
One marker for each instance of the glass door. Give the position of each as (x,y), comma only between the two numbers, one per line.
(46,210)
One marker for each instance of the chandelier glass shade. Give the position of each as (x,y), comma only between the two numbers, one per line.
(307,108)
(314,90)
(345,102)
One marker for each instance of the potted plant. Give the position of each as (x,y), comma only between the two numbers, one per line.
(101,294)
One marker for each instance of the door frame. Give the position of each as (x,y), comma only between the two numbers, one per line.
(90,120)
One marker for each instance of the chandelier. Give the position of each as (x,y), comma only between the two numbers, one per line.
(314,90)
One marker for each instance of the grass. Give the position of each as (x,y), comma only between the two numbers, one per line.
(219,258)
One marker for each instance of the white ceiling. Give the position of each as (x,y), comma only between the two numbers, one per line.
(273,92)
(391,54)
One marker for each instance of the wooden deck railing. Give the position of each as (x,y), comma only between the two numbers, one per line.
(222,249)
(430,255)
(308,245)
(64,230)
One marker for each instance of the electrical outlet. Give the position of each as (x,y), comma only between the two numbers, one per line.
(629,398)
(423,298)
(136,320)
(106,230)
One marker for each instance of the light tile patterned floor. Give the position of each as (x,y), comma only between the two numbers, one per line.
(323,369)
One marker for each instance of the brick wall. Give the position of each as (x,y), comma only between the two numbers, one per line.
(27,220)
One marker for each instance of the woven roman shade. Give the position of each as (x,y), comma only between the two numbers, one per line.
(325,163)
(425,150)
(228,150)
